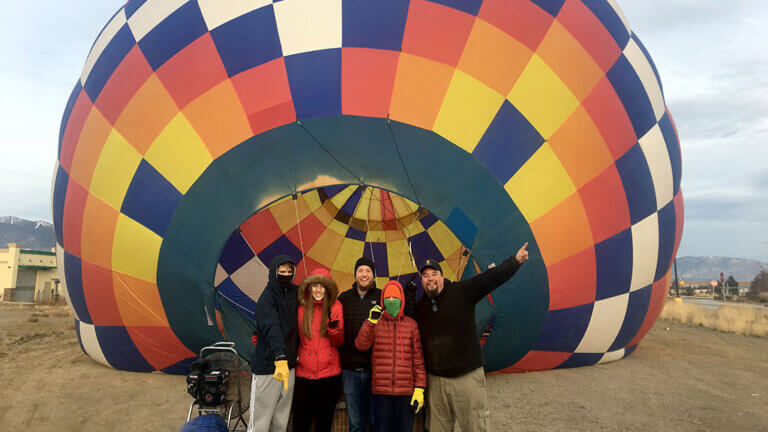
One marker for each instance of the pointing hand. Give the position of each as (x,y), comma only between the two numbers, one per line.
(522,255)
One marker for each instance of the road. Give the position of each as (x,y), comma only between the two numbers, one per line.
(715,304)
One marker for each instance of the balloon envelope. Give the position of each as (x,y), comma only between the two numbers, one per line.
(204,137)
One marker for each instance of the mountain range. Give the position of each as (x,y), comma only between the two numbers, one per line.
(39,235)
(31,234)
(704,268)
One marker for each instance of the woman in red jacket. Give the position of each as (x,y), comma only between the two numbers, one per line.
(399,376)
(318,372)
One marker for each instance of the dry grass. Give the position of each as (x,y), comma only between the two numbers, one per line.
(733,319)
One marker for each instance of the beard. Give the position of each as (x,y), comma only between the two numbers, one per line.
(431,292)
(366,287)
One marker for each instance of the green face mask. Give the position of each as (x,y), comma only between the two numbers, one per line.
(392,306)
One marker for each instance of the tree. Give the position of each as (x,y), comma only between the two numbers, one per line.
(731,282)
(759,284)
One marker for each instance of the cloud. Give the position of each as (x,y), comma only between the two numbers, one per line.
(717,207)
(714,70)
(760,183)
(737,240)
(665,16)
(736,103)
(44,47)
(710,56)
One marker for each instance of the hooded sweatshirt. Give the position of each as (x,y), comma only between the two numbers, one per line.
(397,361)
(318,355)
(276,322)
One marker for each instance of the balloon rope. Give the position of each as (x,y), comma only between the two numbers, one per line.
(301,240)
(368,229)
(415,194)
(399,156)
(406,236)
(407,242)
(405,230)
(329,153)
(219,293)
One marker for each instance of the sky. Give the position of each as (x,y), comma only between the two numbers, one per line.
(710,56)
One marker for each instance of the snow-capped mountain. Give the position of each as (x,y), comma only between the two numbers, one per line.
(31,234)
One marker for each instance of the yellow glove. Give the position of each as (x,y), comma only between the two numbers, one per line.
(281,372)
(374,314)
(418,399)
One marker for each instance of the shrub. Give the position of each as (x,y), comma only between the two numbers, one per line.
(734,319)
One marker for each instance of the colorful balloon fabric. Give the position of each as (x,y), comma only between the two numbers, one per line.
(204,137)
(331,227)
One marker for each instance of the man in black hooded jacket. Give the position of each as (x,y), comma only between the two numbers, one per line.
(274,359)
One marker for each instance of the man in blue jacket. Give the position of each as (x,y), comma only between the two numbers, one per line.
(274,359)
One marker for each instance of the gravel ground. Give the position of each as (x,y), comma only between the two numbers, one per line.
(680,378)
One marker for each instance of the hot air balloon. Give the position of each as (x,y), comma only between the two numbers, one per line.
(204,137)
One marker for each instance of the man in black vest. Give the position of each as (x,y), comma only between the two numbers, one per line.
(452,353)
(356,365)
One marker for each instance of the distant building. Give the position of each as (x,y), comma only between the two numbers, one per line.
(28,275)
(744,288)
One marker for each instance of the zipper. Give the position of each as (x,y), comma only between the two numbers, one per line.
(394,353)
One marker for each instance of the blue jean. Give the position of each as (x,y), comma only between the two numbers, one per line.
(391,413)
(357,393)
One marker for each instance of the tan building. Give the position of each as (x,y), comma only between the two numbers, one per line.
(28,275)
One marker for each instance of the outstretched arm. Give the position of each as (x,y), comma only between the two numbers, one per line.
(487,281)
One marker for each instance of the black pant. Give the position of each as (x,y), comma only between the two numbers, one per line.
(391,413)
(315,399)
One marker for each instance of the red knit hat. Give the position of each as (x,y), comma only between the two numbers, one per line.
(321,271)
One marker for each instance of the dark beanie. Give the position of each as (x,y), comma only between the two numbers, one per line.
(364,261)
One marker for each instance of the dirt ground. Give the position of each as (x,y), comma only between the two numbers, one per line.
(680,378)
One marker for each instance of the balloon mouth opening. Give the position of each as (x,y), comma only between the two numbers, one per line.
(331,227)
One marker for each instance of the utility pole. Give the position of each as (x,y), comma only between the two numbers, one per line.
(677,285)
(722,284)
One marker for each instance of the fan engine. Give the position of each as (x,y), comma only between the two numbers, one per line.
(219,382)
(207,385)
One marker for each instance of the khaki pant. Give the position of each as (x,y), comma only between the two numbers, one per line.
(461,399)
